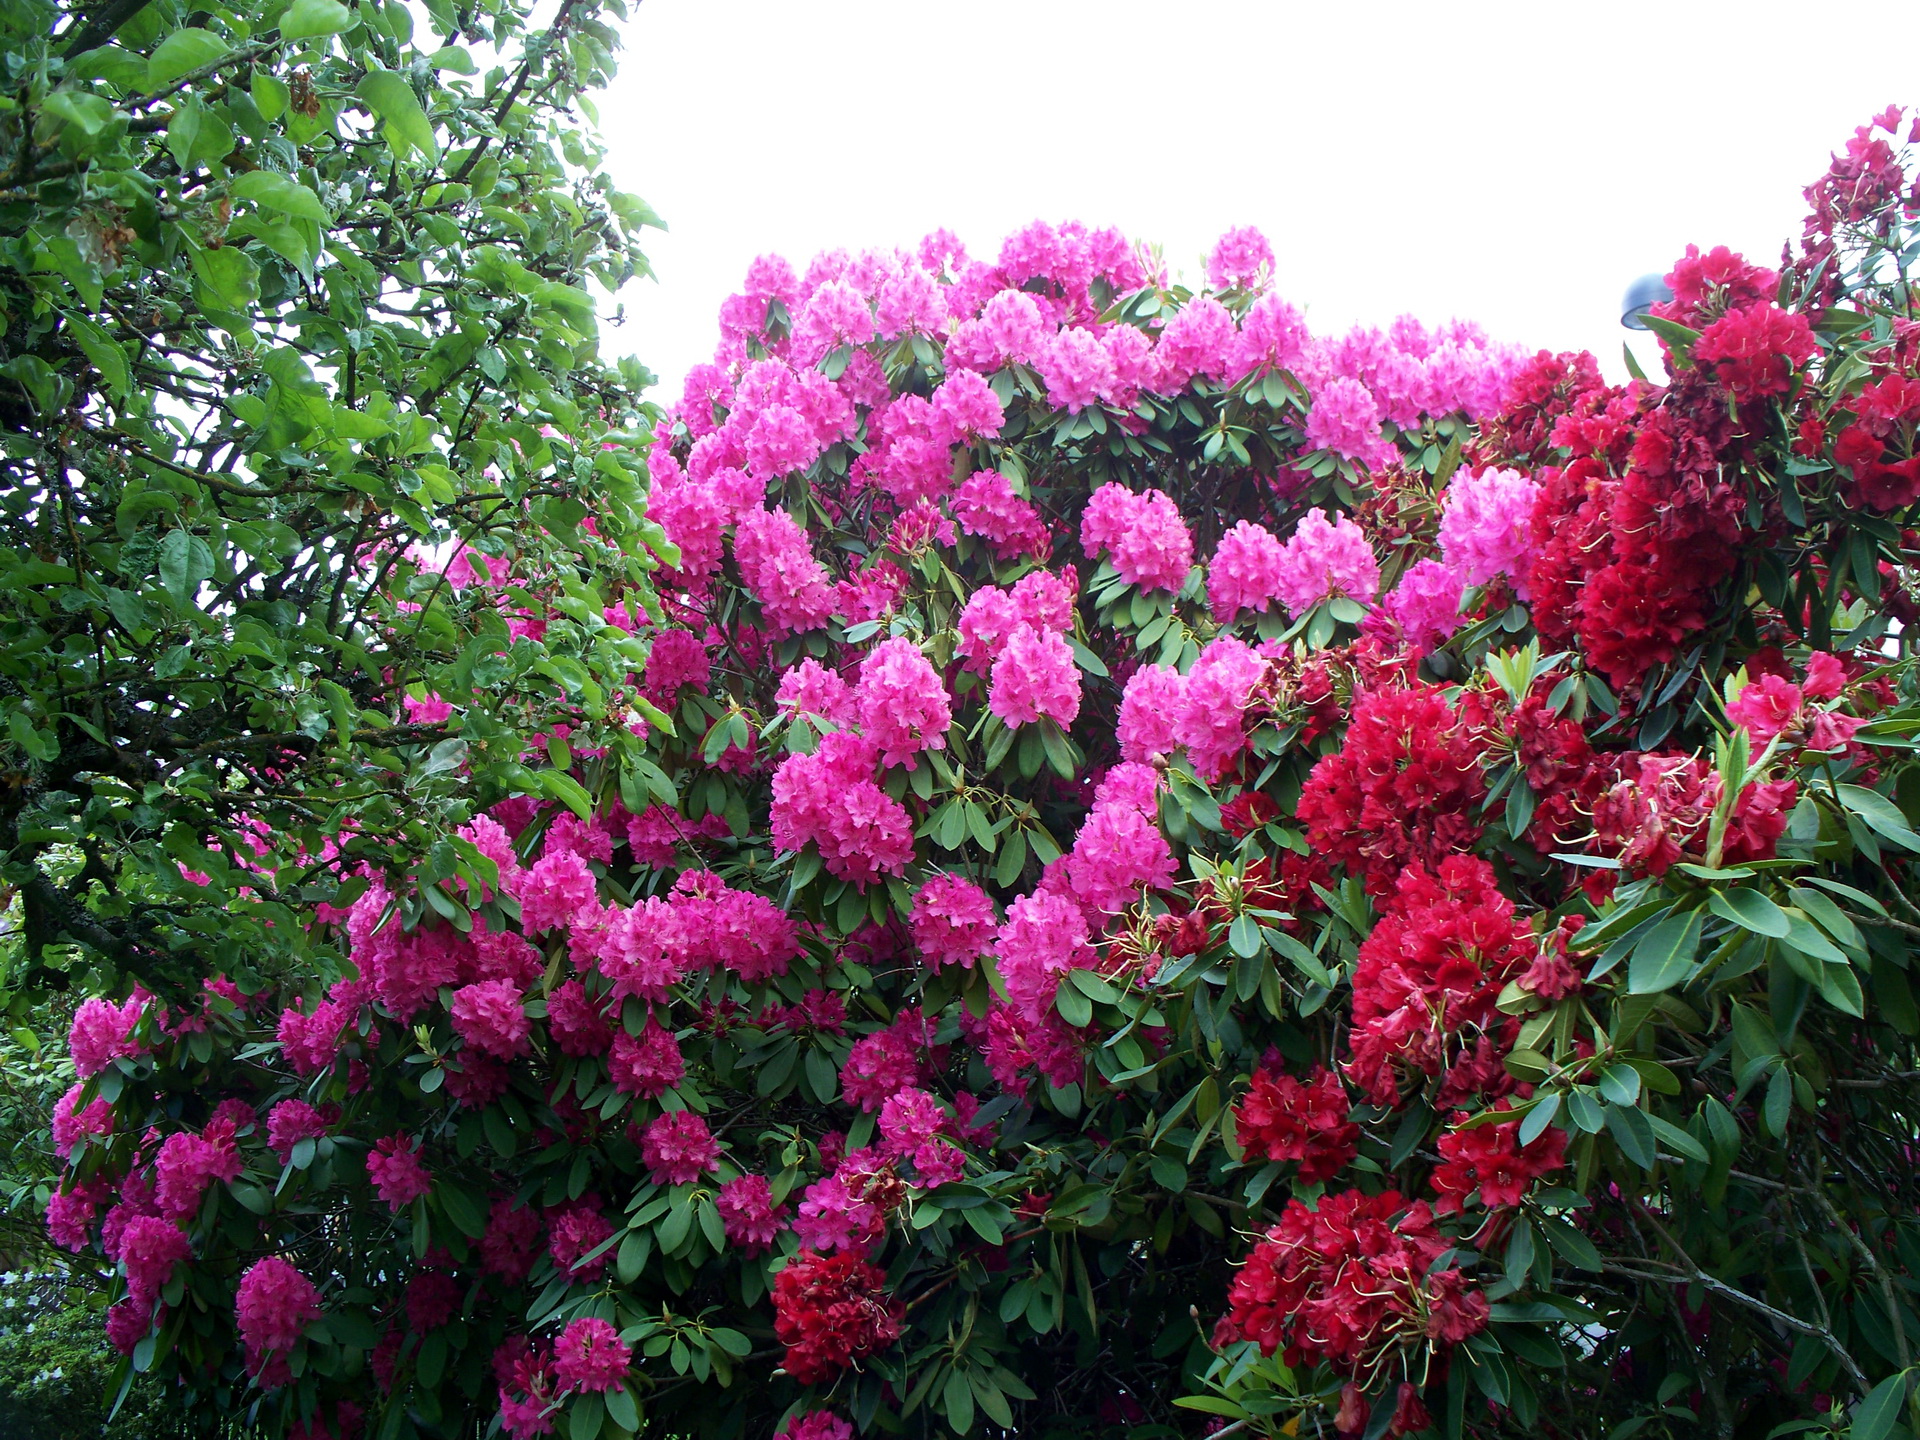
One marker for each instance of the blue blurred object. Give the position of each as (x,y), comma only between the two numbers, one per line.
(1641,296)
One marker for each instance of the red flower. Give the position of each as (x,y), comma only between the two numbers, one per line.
(829,1310)
(1491,1159)
(1281,1119)
(1405,789)
(1755,350)
(1348,1283)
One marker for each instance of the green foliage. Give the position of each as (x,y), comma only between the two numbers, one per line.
(293,311)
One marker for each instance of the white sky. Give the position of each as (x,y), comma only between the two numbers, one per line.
(1516,164)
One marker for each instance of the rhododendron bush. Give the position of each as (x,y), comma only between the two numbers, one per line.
(1190,876)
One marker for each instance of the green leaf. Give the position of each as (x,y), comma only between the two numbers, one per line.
(228,279)
(271,190)
(1879,1412)
(312,19)
(181,53)
(107,356)
(622,1410)
(1750,910)
(388,95)
(1879,812)
(1664,954)
(1632,1134)
(1573,1247)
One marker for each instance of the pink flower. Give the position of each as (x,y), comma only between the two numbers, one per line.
(149,1249)
(397,1174)
(576,1021)
(1118,853)
(512,1239)
(968,407)
(573,1233)
(1241,259)
(908,1119)
(550,893)
(589,1355)
(1425,604)
(1324,558)
(902,705)
(811,689)
(751,1220)
(102,1032)
(1214,704)
(1273,336)
(776,562)
(1486,527)
(815,1425)
(1077,369)
(678,1148)
(1345,419)
(1044,600)
(1044,936)
(1150,708)
(648,1065)
(1144,534)
(830,798)
(70,1127)
(189,1163)
(1765,707)
(987,622)
(491,1017)
(1200,340)
(311,1043)
(1246,570)
(985,505)
(1035,677)
(882,1062)
(273,1304)
(953,921)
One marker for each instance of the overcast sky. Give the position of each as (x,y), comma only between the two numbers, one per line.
(1516,164)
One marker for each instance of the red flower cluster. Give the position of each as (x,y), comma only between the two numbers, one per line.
(1404,790)
(829,1310)
(1755,349)
(1660,811)
(1427,979)
(1349,1283)
(1491,1159)
(1281,1119)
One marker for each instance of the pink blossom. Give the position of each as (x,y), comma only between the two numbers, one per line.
(1214,703)
(967,406)
(1273,336)
(1077,370)
(1425,604)
(830,799)
(985,505)
(1486,527)
(884,1061)
(550,893)
(811,689)
(777,564)
(397,1174)
(836,314)
(589,1355)
(1130,784)
(1044,600)
(1345,419)
(815,1425)
(1246,570)
(1144,534)
(1765,707)
(1199,340)
(573,1233)
(1324,558)
(290,1122)
(1044,936)
(1034,678)
(102,1032)
(748,1214)
(1241,259)
(902,705)
(70,1125)
(512,1239)
(647,1065)
(987,622)
(149,1249)
(189,1163)
(491,1017)
(1150,708)
(1118,853)
(910,302)
(678,1148)
(953,921)
(273,1305)
(311,1043)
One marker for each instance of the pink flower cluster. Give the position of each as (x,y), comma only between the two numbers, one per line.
(953,921)
(273,1305)
(830,798)
(1143,534)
